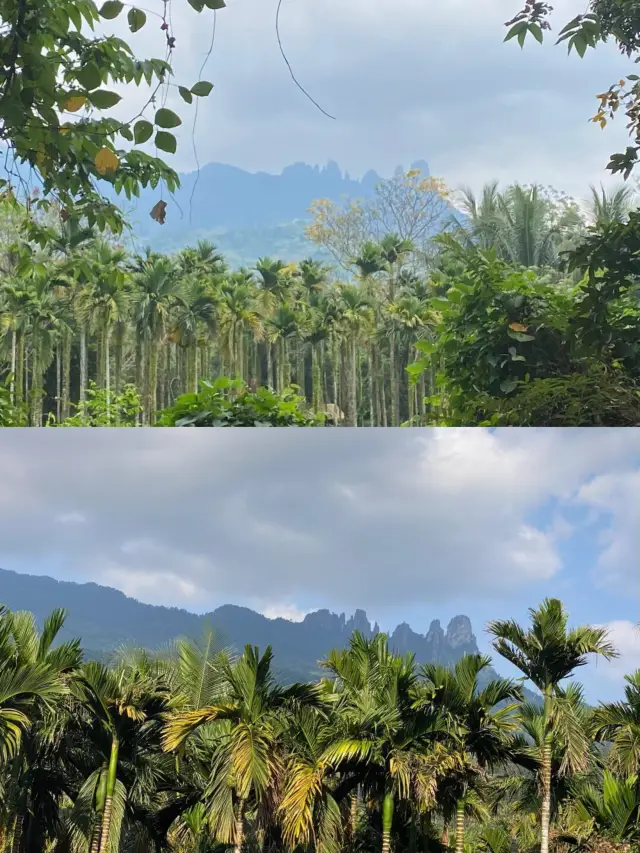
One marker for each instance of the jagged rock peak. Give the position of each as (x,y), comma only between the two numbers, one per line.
(359,622)
(402,635)
(325,620)
(459,632)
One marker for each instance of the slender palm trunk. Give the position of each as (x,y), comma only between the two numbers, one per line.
(300,371)
(152,378)
(66,375)
(107,812)
(545,811)
(95,839)
(16,840)
(373,416)
(118,348)
(387,821)
(107,370)
(239,829)
(353,817)
(36,387)
(83,363)
(192,369)
(139,362)
(58,382)
(393,371)
(316,379)
(351,382)
(460,826)
(270,377)
(19,368)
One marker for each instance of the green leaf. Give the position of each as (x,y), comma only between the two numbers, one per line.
(166,141)
(509,385)
(427,347)
(215,4)
(185,94)
(137,19)
(202,88)
(536,32)
(198,5)
(103,99)
(167,118)
(571,25)
(89,77)
(111,9)
(142,131)
(579,43)
(520,336)
(516,29)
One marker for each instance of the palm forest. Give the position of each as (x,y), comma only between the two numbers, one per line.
(198,748)
(521,309)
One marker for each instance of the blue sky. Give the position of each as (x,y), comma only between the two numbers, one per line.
(405,80)
(410,525)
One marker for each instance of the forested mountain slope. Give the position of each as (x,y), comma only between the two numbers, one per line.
(105,619)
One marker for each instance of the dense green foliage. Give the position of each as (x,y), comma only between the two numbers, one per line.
(198,748)
(521,315)
(54,70)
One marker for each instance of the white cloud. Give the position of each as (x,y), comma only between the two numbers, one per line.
(616,498)
(282,611)
(150,587)
(625,636)
(71,518)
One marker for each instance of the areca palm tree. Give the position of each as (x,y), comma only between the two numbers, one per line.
(125,704)
(103,303)
(156,290)
(619,724)
(394,250)
(239,315)
(33,676)
(248,726)
(354,319)
(476,727)
(546,654)
(383,743)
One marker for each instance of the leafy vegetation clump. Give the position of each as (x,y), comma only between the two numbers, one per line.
(227,403)
(103,408)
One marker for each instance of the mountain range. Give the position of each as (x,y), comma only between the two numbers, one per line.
(246,214)
(105,619)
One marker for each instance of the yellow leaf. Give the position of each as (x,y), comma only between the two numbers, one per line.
(518,327)
(106,161)
(74,103)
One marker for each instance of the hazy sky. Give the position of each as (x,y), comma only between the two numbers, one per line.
(406,80)
(410,525)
